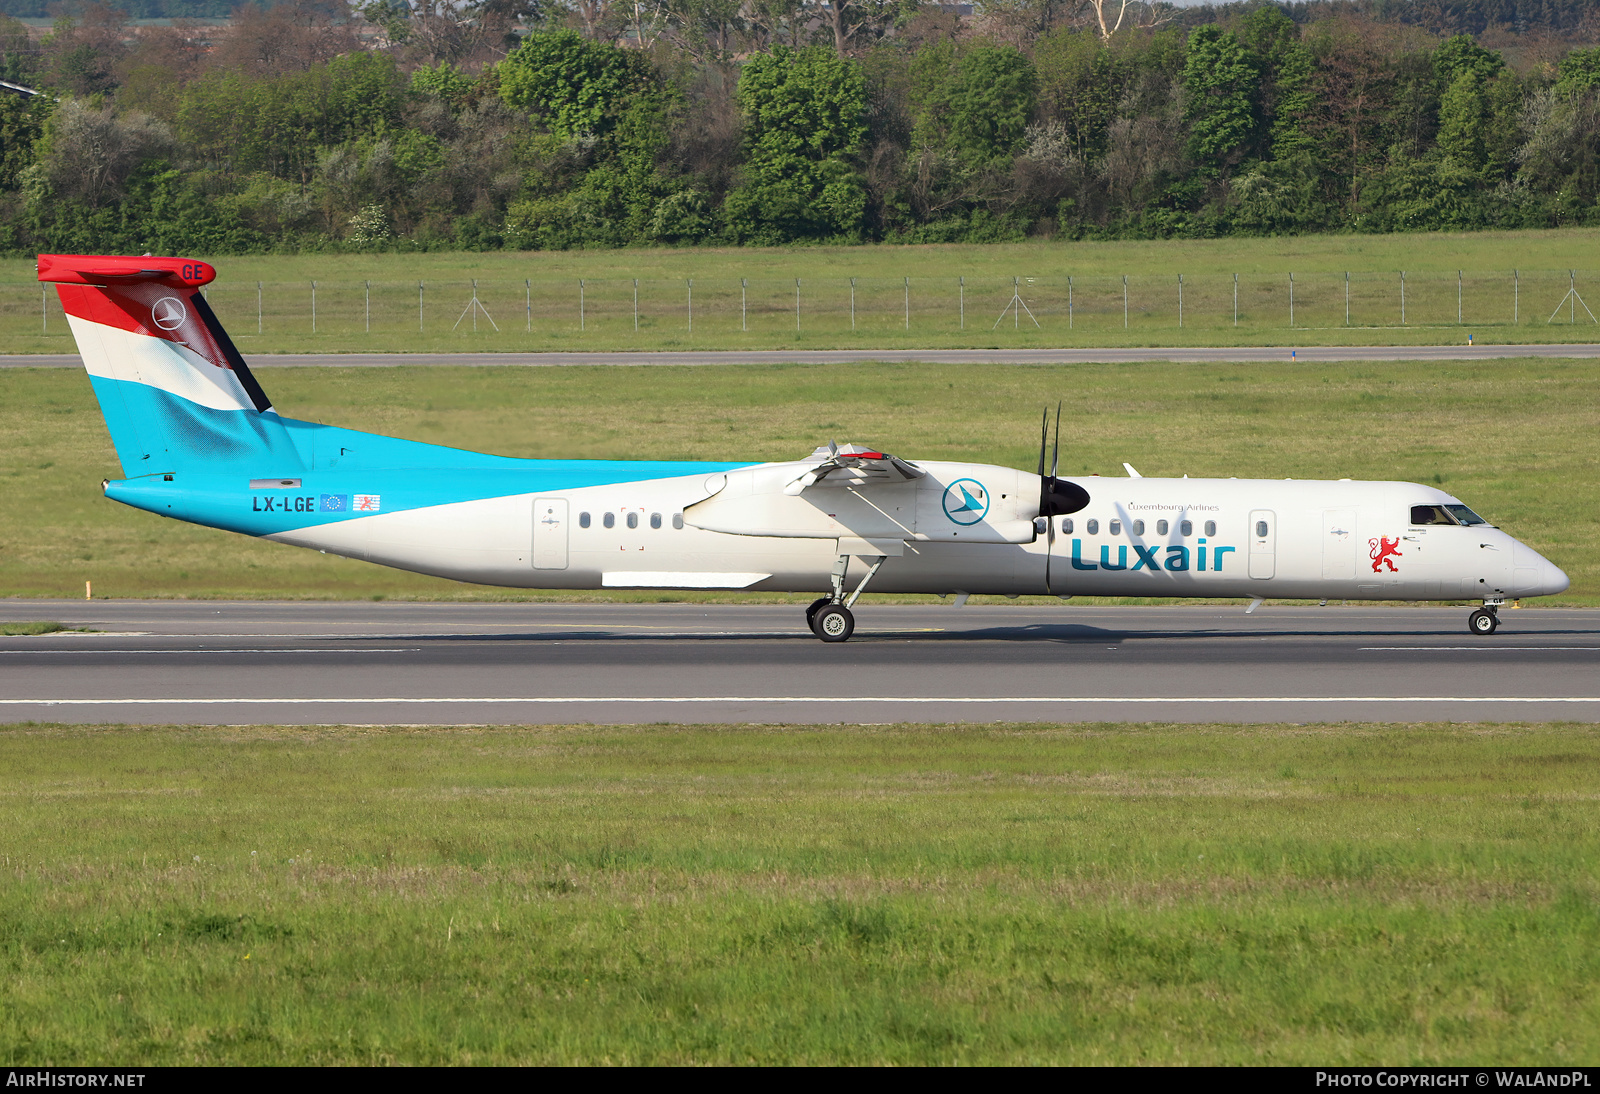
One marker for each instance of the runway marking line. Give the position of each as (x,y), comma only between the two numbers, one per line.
(129,653)
(1475,649)
(836,699)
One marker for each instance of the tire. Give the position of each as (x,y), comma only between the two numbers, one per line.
(1482,622)
(816,606)
(834,623)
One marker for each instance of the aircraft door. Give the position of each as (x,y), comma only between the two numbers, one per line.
(1338,544)
(1263,543)
(550,533)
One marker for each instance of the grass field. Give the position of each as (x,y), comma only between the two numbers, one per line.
(907,297)
(1516,439)
(911,894)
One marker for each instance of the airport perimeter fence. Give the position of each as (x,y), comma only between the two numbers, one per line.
(894,310)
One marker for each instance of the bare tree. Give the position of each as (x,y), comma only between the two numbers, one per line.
(287,37)
(856,24)
(93,153)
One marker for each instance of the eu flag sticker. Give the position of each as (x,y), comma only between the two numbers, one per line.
(335,503)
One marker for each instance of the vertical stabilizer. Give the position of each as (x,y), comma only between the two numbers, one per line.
(174,390)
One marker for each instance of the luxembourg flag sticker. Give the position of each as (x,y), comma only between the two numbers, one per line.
(365,503)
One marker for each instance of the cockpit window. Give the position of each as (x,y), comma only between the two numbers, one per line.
(1430,514)
(1464,515)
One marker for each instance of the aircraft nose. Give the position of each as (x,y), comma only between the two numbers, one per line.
(1551,579)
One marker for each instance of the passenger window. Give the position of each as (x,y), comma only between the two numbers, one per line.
(655,520)
(633,520)
(1138,527)
(1261,529)
(1066,526)
(677,520)
(1211,527)
(1116,527)
(1186,528)
(1092,526)
(1161,527)
(609,520)
(583,520)
(1430,514)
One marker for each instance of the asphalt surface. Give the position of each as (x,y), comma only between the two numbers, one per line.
(369,663)
(1310,354)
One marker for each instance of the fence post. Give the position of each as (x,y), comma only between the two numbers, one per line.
(368,284)
(419,307)
(527,302)
(963,300)
(44,309)
(1069,301)
(1236,300)
(691,305)
(1180,301)
(852,303)
(1124,301)
(797,304)
(258,307)
(1402,298)
(581,320)
(1347,298)
(636,305)
(1516,296)
(1291,300)
(1458,297)
(908,303)
(313,307)
(744,287)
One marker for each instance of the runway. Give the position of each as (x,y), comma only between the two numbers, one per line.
(197,662)
(1074,356)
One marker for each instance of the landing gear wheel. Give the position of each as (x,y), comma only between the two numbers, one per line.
(816,606)
(834,623)
(1483,621)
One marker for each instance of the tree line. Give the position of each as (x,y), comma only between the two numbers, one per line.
(422,124)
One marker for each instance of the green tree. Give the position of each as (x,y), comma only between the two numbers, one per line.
(578,87)
(973,108)
(1464,122)
(1459,55)
(1578,71)
(1080,85)
(804,113)
(22,123)
(281,125)
(1221,82)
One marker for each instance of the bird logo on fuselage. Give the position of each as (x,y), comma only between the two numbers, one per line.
(966,501)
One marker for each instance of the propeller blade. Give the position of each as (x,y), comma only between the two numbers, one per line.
(1044,433)
(1055,453)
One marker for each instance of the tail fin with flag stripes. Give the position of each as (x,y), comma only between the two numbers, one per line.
(174,390)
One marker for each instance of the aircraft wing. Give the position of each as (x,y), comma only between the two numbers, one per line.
(854,465)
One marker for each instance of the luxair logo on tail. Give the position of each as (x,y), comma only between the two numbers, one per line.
(966,501)
(176,395)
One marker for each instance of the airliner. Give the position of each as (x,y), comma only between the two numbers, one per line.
(199,441)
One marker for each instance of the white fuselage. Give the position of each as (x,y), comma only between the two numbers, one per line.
(1136,537)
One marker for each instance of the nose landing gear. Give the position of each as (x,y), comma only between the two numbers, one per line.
(1486,620)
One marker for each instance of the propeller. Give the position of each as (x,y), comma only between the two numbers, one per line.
(1057,496)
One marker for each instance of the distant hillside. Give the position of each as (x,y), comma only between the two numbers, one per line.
(1440,16)
(136,9)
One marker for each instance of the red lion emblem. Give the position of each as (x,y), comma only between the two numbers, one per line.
(1380,552)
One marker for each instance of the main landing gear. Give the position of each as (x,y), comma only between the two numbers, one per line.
(1486,620)
(830,617)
